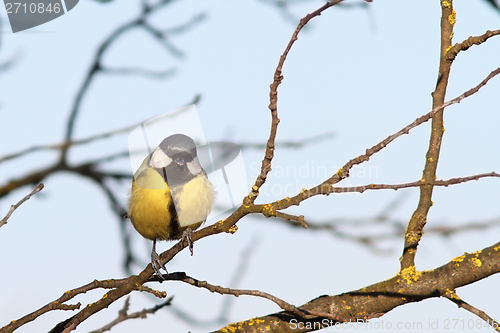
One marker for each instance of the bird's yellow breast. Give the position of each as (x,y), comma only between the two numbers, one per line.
(149,205)
(149,212)
(154,214)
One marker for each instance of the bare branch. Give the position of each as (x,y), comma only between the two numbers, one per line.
(337,227)
(139,22)
(91,74)
(333,227)
(371,241)
(58,304)
(124,315)
(452,296)
(85,169)
(161,37)
(343,172)
(128,284)
(284,7)
(418,183)
(186,26)
(289,143)
(273,106)
(243,145)
(100,136)
(6,65)
(447,230)
(417,222)
(473,90)
(157,293)
(14,207)
(269,210)
(238,292)
(140,71)
(407,286)
(466,44)
(239,273)
(288,217)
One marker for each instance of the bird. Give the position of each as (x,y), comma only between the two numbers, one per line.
(171,195)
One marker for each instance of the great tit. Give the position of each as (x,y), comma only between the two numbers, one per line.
(171,194)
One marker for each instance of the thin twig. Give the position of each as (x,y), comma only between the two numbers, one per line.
(418,183)
(238,292)
(198,18)
(238,274)
(289,143)
(123,315)
(336,228)
(269,210)
(452,296)
(343,172)
(273,105)
(14,207)
(89,139)
(154,74)
(418,220)
(288,217)
(58,303)
(227,225)
(91,74)
(139,22)
(470,91)
(161,36)
(243,145)
(6,65)
(466,44)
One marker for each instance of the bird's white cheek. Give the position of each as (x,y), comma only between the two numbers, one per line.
(194,166)
(160,159)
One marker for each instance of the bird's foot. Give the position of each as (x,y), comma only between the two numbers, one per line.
(156,264)
(186,234)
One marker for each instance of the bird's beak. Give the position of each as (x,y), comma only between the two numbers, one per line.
(179,161)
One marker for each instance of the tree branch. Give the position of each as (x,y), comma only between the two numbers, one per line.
(14,207)
(418,220)
(273,106)
(408,286)
(124,315)
(139,22)
(154,74)
(466,44)
(343,172)
(418,183)
(452,296)
(92,138)
(227,302)
(238,292)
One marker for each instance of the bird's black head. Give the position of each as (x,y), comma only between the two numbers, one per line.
(175,159)
(180,148)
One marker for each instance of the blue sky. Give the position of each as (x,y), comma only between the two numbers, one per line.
(358,73)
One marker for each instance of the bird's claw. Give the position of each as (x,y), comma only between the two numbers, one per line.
(156,264)
(186,234)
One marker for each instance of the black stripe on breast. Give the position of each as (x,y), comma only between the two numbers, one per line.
(174,218)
